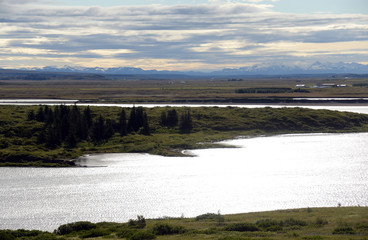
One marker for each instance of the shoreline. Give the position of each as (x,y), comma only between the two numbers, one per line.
(211,126)
(73,162)
(320,101)
(311,222)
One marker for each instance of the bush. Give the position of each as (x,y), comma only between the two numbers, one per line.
(6,235)
(210,231)
(242,227)
(75,227)
(362,227)
(207,216)
(211,216)
(142,235)
(343,230)
(139,223)
(233,238)
(95,233)
(25,233)
(269,225)
(295,222)
(135,234)
(126,232)
(320,222)
(166,229)
(46,236)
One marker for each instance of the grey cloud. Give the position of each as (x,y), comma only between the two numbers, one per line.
(171,32)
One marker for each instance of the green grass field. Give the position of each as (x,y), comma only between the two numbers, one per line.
(304,224)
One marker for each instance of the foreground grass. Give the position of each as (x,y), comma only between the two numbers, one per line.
(19,145)
(308,223)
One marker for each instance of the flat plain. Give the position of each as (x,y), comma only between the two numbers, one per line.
(183,90)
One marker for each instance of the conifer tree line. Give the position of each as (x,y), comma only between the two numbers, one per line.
(69,125)
(171,119)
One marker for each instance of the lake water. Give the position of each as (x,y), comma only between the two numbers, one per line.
(264,173)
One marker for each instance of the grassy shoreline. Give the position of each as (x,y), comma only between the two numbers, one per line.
(303,223)
(20,146)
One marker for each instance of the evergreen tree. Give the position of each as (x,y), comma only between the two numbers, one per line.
(109,129)
(88,116)
(172,118)
(31,115)
(136,119)
(122,127)
(186,124)
(71,140)
(40,116)
(98,129)
(53,137)
(49,116)
(163,119)
(132,121)
(146,129)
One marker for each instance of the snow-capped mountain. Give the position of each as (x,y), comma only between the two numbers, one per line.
(315,68)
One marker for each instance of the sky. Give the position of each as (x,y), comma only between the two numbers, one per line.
(181,35)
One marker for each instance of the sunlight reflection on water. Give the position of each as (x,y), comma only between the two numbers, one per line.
(265,173)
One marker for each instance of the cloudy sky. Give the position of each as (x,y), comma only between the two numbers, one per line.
(181,35)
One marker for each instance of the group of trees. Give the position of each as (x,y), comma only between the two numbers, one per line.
(171,119)
(69,124)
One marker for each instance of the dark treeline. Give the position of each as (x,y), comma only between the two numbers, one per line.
(170,119)
(69,125)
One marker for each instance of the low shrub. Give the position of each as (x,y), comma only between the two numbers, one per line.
(207,216)
(142,235)
(362,227)
(25,233)
(242,227)
(269,225)
(210,231)
(6,235)
(294,222)
(167,229)
(139,223)
(75,227)
(126,232)
(313,238)
(47,236)
(97,232)
(211,216)
(320,222)
(343,230)
(233,238)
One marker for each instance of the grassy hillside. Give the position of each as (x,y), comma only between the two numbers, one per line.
(22,141)
(303,224)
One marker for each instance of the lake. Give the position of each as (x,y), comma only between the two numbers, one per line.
(263,173)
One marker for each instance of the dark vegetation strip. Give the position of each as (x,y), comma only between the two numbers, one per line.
(52,135)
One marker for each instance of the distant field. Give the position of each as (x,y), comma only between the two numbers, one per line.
(194,90)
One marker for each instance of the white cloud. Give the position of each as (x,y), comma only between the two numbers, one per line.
(165,37)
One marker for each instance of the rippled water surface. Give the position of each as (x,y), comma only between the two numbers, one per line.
(265,173)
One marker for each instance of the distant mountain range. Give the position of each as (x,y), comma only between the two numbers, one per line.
(315,68)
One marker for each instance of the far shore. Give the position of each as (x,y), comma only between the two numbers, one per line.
(240,102)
